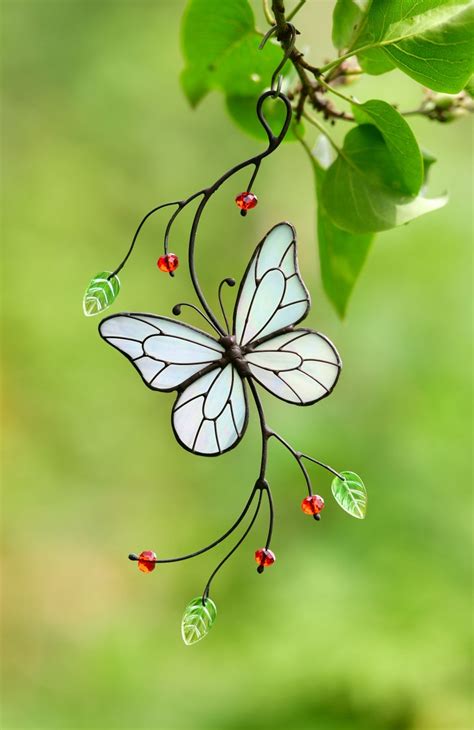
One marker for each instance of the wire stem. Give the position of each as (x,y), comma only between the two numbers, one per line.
(266,433)
(205,593)
(216,542)
(297,457)
(134,239)
(271,514)
(181,205)
(273,142)
(324,466)
(263,428)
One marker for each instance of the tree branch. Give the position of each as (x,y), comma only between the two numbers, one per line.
(313,86)
(310,88)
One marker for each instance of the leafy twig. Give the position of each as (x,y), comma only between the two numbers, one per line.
(316,123)
(296,9)
(309,86)
(267,12)
(314,85)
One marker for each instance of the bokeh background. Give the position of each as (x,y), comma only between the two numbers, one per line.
(360,625)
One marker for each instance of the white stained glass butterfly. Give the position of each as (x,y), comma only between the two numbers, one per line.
(297,365)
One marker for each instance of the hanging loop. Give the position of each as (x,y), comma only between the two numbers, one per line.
(275,88)
(274,140)
(276,76)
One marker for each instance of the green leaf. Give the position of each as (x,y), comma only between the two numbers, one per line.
(221,47)
(100,293)
(195,85)
(341,254)
(362,191)
(375,62)
(428,160)
(399,139)
(350,494)
(469,88)
(346,19)
(430,40)
(198,618)
(210,30)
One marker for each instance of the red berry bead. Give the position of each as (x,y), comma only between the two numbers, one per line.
(246,201)
(168,263)
(312,505)
(264,557)
(146,561)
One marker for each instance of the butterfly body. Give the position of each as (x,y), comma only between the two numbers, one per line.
(210,414)
(235,355)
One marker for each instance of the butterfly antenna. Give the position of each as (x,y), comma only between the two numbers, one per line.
(177,311)
(229,282)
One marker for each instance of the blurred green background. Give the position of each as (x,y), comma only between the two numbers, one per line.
(360,625)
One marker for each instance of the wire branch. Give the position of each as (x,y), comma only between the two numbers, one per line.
(299,456)
(207,588)
(213,544)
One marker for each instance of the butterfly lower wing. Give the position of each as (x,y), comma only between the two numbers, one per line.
(300,366)
(166,353)
(272,295)
(210,415)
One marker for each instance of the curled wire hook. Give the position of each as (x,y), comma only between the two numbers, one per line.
(279,83)
(276,76)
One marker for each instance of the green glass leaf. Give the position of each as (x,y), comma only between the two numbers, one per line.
(400,140)
(100,293)
(341,254)
(362,191)
(198,619)
(350,494)
(430,40)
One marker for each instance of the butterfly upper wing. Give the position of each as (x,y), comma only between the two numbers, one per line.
(166,353)
(300,366)
(272,295)
(210,415)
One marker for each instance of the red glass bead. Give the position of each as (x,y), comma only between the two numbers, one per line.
(264,557)
(246,201)
(168,263)
(312,505)
(146,561)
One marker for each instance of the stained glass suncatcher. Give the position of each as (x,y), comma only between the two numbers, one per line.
(218,373)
